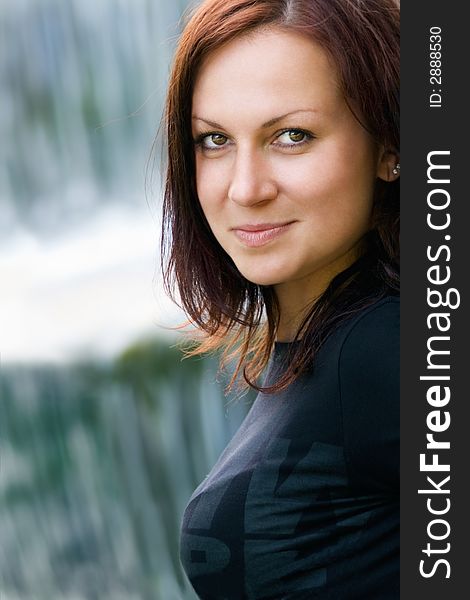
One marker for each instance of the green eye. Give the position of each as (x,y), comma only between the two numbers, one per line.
(218,139)
(211,141)
(293,137)
(296,136)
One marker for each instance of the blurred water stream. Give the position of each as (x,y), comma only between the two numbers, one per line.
(97,463)
(82,86)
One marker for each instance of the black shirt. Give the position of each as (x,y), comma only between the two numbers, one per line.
(304,501)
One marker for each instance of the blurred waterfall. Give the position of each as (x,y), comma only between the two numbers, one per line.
(97,464)
(82,86)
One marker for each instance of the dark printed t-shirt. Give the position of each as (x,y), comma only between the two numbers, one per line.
(304,501)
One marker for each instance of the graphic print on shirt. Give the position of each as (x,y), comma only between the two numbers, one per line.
(283,502)
(227,484)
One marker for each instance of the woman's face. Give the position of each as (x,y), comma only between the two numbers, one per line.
(284,171)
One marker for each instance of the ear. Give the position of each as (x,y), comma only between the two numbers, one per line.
(388,165)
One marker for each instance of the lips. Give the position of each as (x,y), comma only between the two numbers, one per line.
(259,234)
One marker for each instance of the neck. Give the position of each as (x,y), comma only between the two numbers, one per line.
(297,297)
(294,305)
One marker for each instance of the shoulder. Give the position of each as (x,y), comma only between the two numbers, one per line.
(372,337)
(369,390)
(376,323)
(369,352)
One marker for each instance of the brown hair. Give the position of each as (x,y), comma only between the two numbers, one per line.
(362,38)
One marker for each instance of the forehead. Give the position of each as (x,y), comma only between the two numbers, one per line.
(267,71)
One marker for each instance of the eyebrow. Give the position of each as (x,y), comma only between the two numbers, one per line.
(269,123)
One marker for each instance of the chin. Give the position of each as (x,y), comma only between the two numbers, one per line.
(267,270)
(261,278)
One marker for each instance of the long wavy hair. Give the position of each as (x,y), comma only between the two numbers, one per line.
(232,313)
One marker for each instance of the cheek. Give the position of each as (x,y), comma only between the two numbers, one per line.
(346,162)
(336,202)
(210,186)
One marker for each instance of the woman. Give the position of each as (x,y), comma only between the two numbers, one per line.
(281,237)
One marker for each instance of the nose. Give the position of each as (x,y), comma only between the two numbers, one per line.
(252,181)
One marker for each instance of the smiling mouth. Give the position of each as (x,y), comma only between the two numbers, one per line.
(254,236)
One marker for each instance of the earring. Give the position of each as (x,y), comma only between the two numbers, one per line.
(396,169)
